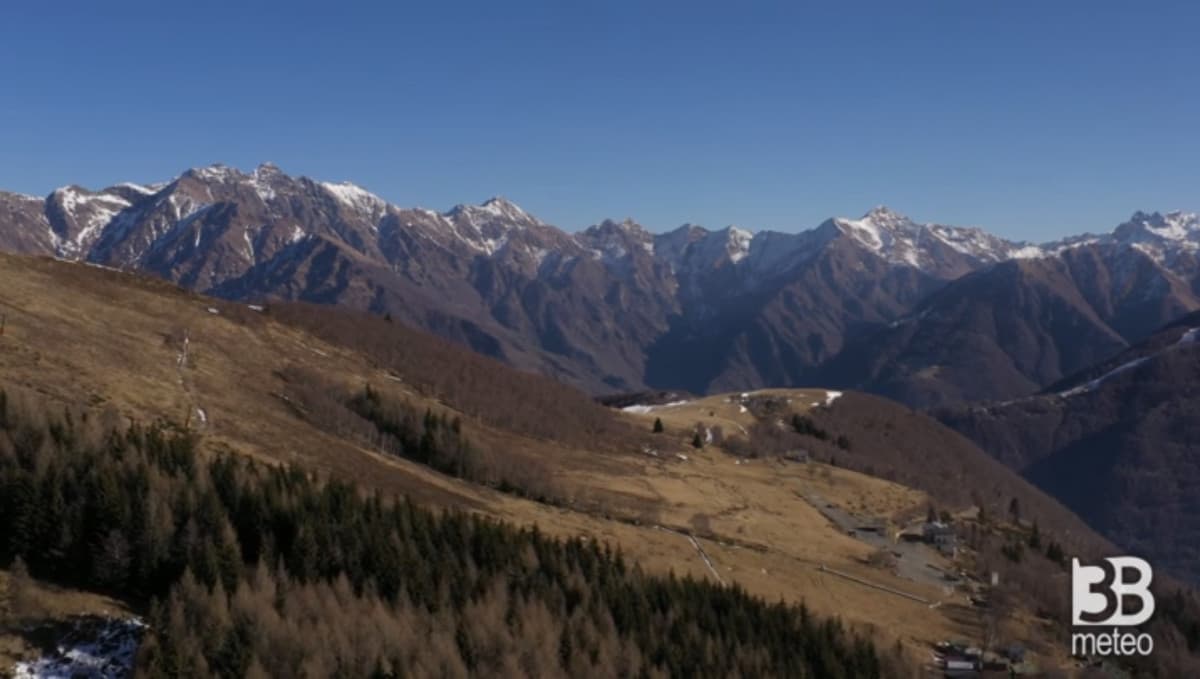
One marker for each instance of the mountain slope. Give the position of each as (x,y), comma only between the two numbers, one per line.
(1011,329)
(288,384)
(1116,442)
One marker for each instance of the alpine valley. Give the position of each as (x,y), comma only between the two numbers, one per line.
(264,425)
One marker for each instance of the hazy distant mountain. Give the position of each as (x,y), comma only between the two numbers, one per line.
(1118,442)
(1012,328)
(925,312)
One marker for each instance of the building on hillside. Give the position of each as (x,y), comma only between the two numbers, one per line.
(941,535)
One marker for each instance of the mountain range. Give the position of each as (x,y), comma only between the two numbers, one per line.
(1072,363)
(1116,442)
(926,313)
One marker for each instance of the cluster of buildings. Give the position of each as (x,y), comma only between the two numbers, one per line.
(959,659)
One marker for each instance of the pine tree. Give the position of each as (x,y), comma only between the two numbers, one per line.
(658,425)
(697,442)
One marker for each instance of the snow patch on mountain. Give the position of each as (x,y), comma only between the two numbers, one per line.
(357,198)
(217,173)
(492,210)
(501,207)
(1028,252)
(899,240)
(1094,384)
(1160,236)
(93,649)
(613,242)
(737,244)
(91,212)
(139,188)
(487,227)
(673,246)
(1189,337)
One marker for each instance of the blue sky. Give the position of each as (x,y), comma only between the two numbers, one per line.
(1033,119)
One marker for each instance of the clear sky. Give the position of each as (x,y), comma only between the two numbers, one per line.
(1033,119)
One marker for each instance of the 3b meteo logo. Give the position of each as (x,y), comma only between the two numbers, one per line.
(1104,596)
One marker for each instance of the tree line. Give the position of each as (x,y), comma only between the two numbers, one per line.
(480,387)
(393,425)
(254,570)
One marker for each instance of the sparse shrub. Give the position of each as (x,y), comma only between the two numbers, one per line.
(1015,551)
(1035,537)
(1054,552)
(882,558)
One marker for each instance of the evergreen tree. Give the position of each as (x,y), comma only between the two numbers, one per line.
(255,570)
(1035,537)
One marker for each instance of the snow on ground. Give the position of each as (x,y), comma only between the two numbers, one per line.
(738,244)
(1090,386)
(642,410)
(357,198)
(94,649)
(831,396)
(144,190)
(1192,336)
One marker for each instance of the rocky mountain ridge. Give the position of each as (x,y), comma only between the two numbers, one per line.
(616,307)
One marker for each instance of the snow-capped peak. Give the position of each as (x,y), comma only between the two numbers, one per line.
(886,216)
(886,233)
(501,207)
(88,211)
(1173,226)
(900,240)
(356,198)
(267,169)
(737,243)
(612,240)
(487,226)
(22,196)
(217,172)
(1160,236)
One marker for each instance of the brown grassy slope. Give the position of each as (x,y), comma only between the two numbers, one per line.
(519,402)
(83,335)
(896,443)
